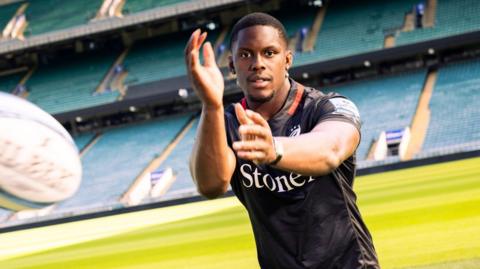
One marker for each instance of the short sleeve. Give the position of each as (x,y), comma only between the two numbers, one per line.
(337,108)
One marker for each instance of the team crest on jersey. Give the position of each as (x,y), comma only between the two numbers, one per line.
(294,131)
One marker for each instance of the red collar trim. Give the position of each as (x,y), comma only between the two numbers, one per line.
(244,103)
(298,98)
(293,107)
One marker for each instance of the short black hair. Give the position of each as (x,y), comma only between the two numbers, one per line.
(254,19)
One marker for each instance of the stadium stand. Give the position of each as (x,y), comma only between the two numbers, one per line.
(119,156)
(70,85)
(294,23)
(455,117)
(82,140)
(353,27)
(6,13)
(133,6)
(452,17)
(52,15)
(178,161)
(385,103)
(158,58)
(9,82)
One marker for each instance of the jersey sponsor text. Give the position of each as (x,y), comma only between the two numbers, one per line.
(252,178)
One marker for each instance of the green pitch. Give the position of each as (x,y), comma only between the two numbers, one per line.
(421,218)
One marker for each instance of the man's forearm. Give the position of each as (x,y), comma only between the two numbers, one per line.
(321,151)
(318,152)
(307,156)
(212,161)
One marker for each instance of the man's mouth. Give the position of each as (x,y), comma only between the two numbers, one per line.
(258,81)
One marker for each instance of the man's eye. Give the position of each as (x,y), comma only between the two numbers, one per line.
(244,54)
(269,53)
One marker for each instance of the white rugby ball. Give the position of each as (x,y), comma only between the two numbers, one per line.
(39,162)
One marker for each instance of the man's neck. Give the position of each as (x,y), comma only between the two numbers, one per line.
(270,108)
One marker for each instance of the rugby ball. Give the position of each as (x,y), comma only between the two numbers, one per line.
(39,162)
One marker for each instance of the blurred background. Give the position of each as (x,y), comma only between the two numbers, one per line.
(112,72)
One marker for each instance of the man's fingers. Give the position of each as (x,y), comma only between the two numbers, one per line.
(257,118)
(209,55)
(251,155)
(200,40)
(241,115)
(191,53)
(196,38)
(253,130)
(250,145)
(193,59)
(242,119)
(191,41)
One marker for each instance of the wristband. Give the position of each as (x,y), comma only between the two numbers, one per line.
(278,146)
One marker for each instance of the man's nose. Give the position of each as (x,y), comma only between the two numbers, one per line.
(257,63)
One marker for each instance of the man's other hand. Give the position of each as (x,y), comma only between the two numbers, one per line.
(206,79)
(256,142)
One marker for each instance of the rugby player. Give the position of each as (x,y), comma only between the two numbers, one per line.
(287,151)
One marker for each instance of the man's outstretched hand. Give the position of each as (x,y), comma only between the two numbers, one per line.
(256,142)
(206,79)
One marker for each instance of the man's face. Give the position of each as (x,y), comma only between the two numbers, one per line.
(260,59)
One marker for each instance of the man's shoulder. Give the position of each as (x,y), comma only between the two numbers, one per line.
(315,97)
(323,105)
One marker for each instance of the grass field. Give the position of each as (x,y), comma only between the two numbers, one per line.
(421,218)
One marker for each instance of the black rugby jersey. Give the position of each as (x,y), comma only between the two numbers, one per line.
(303,221)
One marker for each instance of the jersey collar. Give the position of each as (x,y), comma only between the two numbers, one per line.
(294,98)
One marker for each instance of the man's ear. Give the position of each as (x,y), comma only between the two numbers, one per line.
(288,59)
(230,64)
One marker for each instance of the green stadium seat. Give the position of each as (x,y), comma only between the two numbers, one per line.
(354,27)
(52,15)
(455,117)
(82,140)
(158,58)
(6,13)
(119,156)
(178,161)
(9,82)
(293,21)
(385,103)
(134,6)
(70,85)
(453,17)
